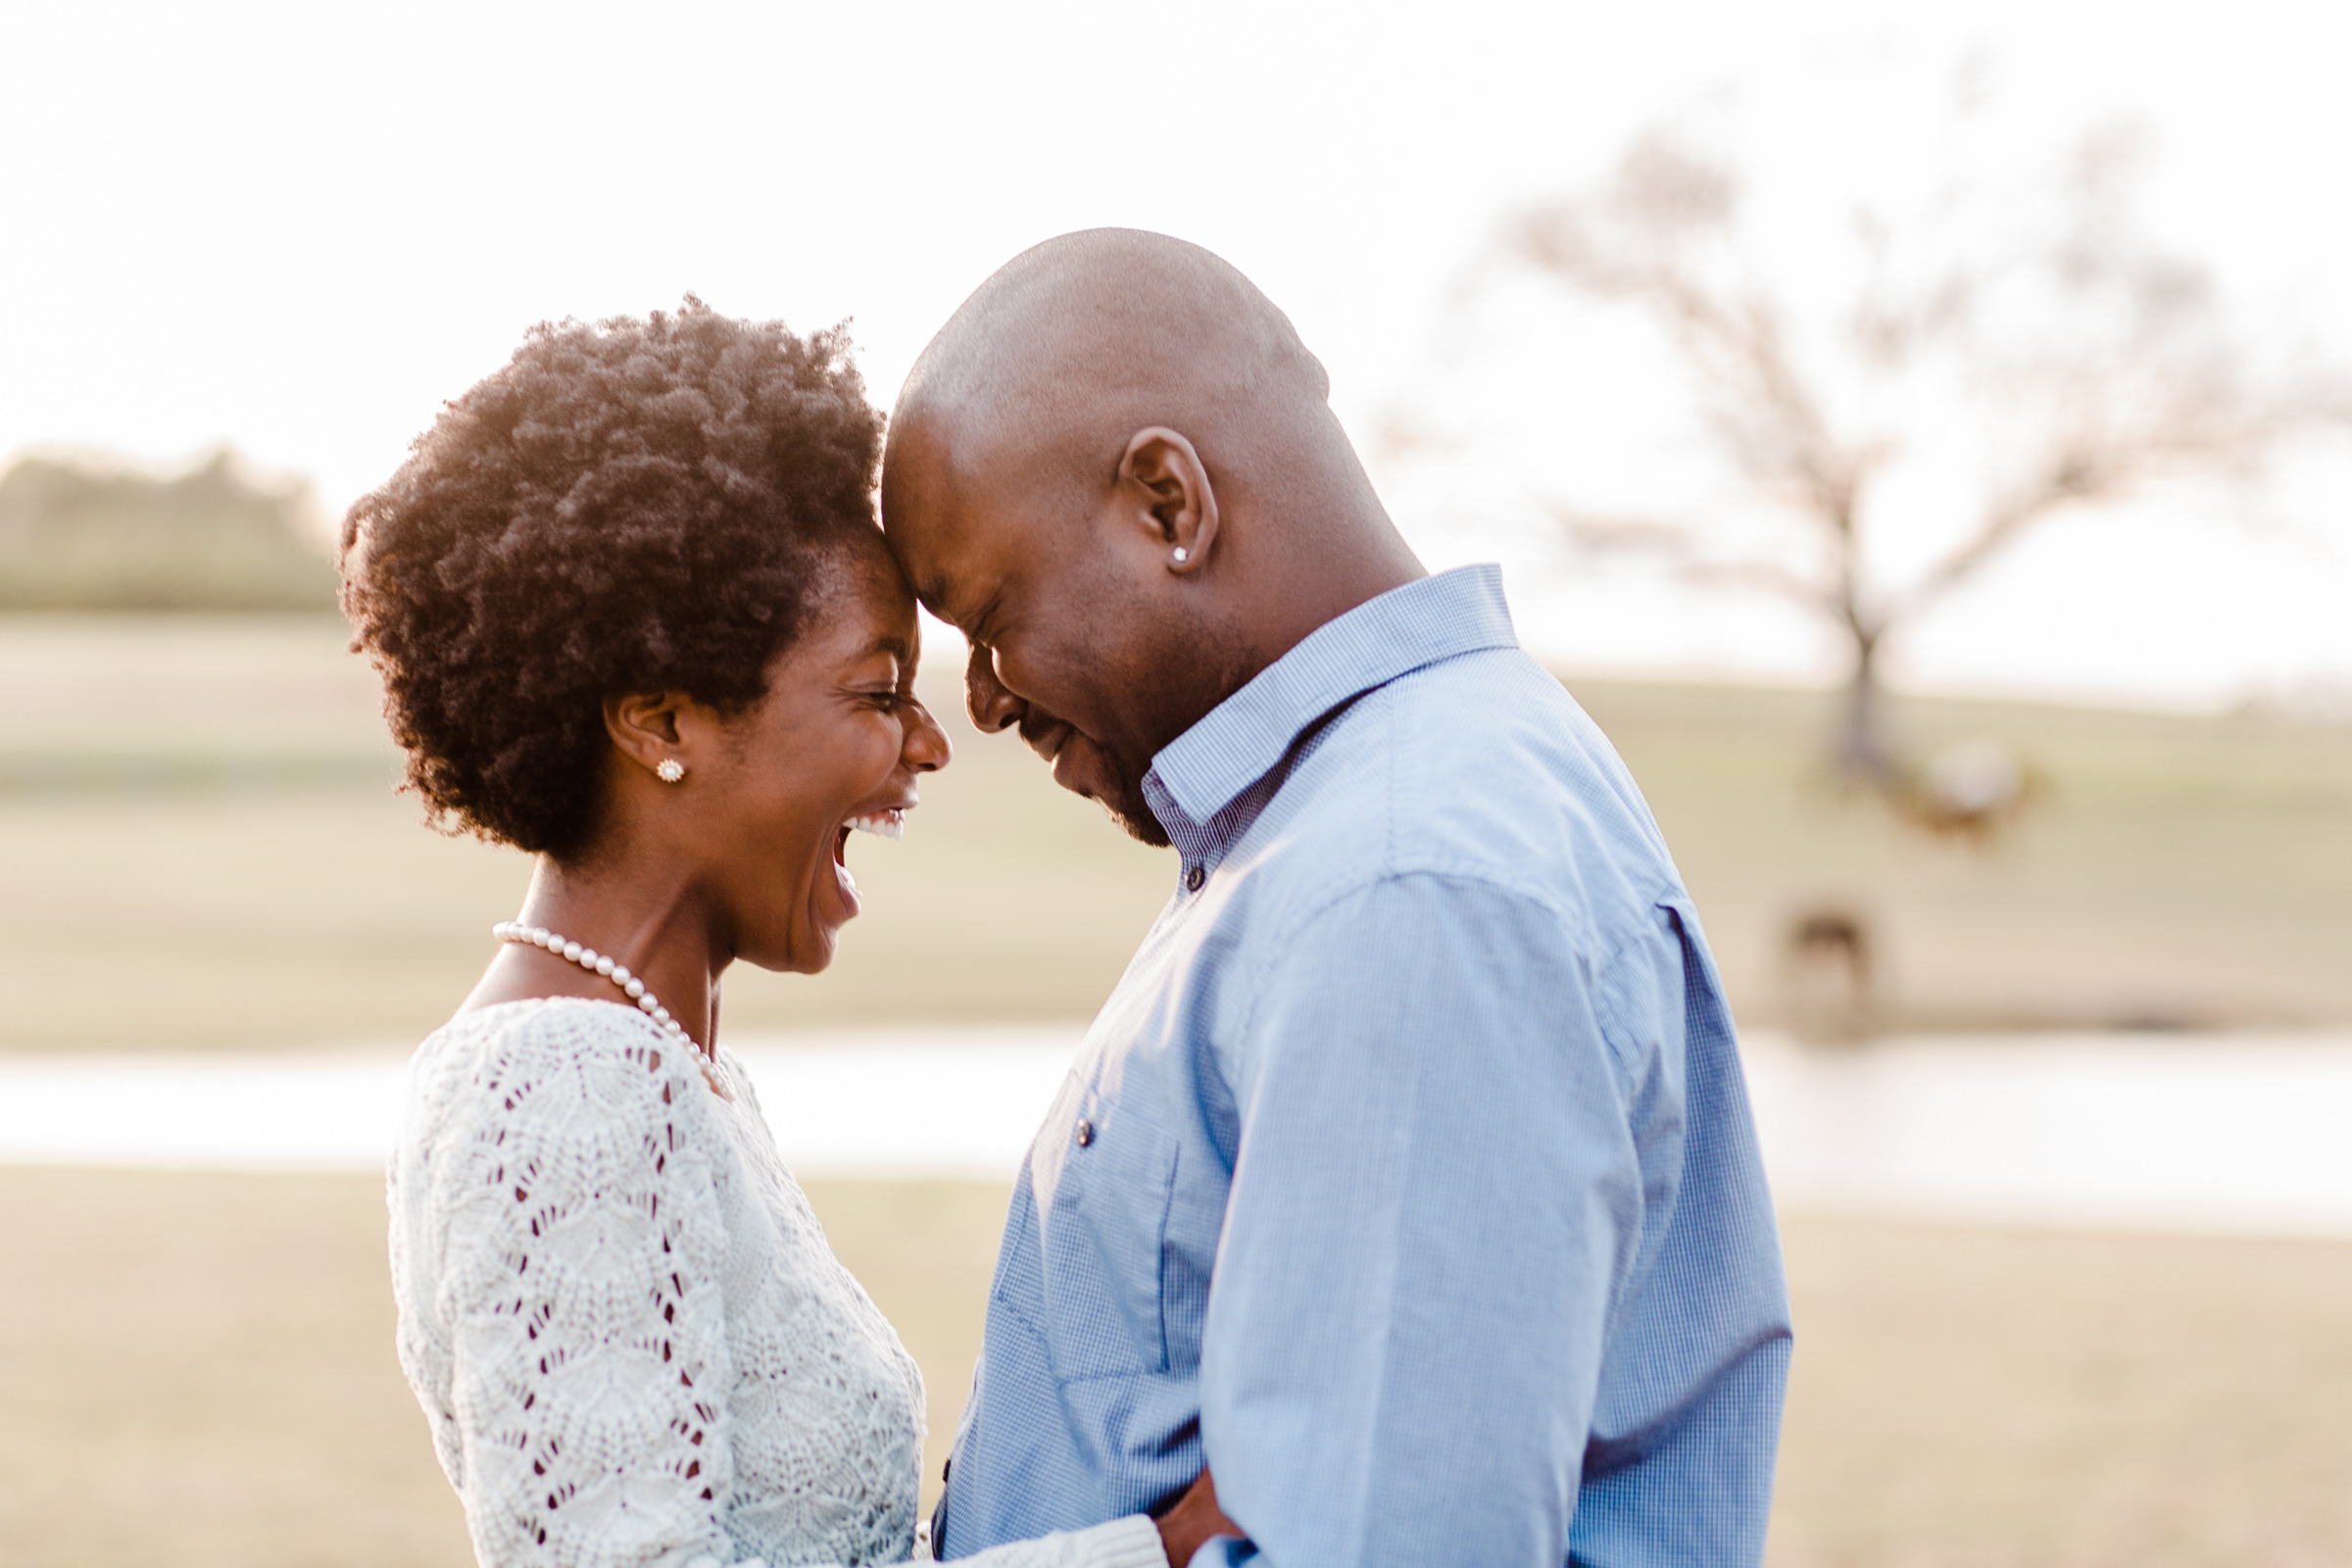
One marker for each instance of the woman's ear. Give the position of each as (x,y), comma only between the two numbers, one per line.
(1175,504)
(643,728)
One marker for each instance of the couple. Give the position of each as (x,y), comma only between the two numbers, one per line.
(1406,1180)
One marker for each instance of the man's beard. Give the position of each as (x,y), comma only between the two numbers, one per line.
(1132,812)
(1086,767)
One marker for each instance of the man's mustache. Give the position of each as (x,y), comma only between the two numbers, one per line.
(1044,733)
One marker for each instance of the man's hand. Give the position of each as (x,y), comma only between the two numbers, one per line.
(1186,1527)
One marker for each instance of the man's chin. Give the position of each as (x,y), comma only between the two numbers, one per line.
(1132,813)
(1085,768)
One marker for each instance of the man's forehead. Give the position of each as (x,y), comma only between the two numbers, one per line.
(920,539)
(962,518)
(928,550)
(951,578)
(956,557)
(969,596)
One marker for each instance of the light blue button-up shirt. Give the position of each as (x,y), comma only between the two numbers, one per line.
(1407,1178)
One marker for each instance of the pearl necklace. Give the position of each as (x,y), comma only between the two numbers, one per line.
(539,936)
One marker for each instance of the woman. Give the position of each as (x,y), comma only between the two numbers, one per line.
(634,616)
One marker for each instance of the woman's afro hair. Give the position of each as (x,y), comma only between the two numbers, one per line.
(637,506)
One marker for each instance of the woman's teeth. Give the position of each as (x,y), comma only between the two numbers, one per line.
(882,824)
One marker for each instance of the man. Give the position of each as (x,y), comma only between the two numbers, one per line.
(1407,1177)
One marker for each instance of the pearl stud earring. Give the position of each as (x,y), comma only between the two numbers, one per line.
(1183,554)
(669,770)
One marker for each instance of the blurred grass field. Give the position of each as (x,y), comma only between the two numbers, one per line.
(199,1371)
(203,852)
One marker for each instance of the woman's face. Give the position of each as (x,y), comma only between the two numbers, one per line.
(836,741)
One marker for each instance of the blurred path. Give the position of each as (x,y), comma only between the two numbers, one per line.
(868,1103)
(2207,1133)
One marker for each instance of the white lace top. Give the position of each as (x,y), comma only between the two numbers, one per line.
(630,1339)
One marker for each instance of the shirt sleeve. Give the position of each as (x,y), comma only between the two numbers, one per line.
(584,1244)
(1435,1202)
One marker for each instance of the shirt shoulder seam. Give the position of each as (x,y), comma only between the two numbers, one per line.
(1365,882)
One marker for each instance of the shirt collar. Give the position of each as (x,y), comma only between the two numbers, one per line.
(1201,771)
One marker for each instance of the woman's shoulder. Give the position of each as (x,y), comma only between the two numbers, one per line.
(559,1027)
(547,1058)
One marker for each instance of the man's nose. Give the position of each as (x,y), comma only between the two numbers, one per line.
(992,706)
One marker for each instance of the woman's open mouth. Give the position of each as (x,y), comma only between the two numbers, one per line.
(890,822)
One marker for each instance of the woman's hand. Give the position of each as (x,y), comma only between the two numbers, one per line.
(1186,1526)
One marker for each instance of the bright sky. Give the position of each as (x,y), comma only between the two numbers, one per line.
(299,227)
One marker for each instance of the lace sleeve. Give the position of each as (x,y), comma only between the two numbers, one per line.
(580,1293)
(1129,1542)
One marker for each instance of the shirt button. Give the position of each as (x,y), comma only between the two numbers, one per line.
(1193,877)
(1086,1133)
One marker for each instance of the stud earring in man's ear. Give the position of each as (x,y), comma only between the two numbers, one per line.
(669,770)
(1183,554)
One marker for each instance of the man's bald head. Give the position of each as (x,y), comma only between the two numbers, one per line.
(1076,343)
(1116,469)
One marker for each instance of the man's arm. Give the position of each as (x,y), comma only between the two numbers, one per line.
(1434,1203)
(1192,1520)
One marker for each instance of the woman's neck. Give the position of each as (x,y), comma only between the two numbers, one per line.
(653,924)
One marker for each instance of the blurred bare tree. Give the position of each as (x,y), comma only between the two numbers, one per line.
(2090,364)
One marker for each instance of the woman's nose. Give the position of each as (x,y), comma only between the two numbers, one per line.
(925,749)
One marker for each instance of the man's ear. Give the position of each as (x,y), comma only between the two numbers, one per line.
(644,727)
(1174,501)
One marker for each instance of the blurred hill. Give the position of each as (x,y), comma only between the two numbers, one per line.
(85,535)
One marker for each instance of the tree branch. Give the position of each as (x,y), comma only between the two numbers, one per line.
(1678,547)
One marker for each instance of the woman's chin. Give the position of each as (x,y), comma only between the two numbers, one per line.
(804,952)
(832,903)
(829,910)
(816,961)
(805,944)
